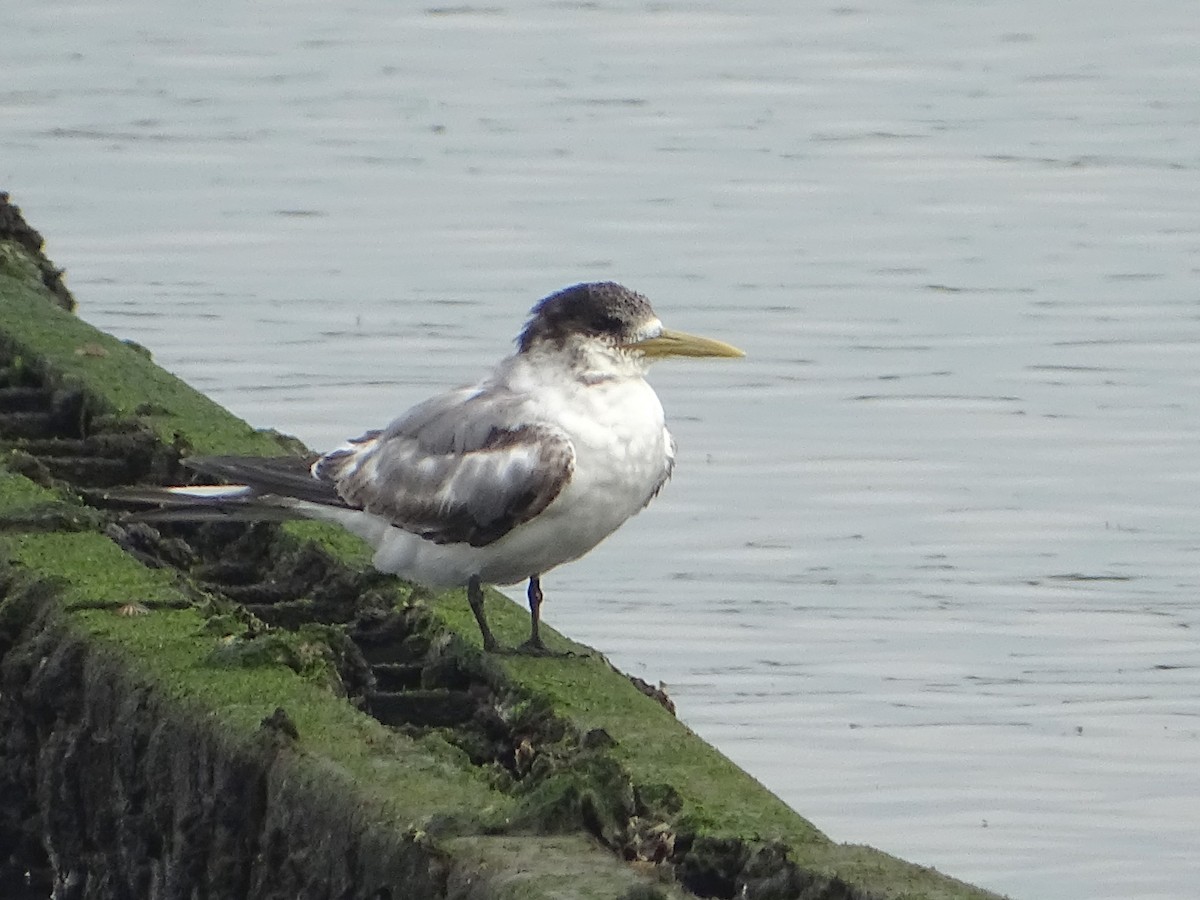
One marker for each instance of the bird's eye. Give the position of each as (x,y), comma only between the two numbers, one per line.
(609,324)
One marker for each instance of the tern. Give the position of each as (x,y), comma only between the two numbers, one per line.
(500,481)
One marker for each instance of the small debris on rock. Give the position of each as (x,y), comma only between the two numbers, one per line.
(657,694)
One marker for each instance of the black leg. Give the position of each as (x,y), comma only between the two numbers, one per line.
(475,598)
(535,613)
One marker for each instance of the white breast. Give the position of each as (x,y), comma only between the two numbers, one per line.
(623,454)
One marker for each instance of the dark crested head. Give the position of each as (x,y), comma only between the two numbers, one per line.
(602,309)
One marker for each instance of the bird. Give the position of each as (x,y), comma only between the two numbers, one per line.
(500,481)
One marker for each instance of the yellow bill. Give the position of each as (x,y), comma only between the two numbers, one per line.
(679,343)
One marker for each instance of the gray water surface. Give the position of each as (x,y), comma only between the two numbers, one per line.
(928,566)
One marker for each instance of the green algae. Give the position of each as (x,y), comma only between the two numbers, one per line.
(20,496)
(421,787)
(695,788)
(559,866)
(101,575)
(120,379)
(341,543)
(657,748)
(16,263)
(184,659)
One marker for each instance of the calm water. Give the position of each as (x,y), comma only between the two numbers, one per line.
(929,565)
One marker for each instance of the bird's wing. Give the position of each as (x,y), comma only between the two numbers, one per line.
(465,467)
(668,468)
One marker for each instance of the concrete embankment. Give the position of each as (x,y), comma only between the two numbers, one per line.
(227,710)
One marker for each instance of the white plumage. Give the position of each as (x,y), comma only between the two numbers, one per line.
(504,480)
(608,442)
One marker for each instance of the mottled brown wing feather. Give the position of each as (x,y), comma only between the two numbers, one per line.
(474,495)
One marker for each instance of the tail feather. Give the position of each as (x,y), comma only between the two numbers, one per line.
(198,503)
(282,476)
(263,489)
